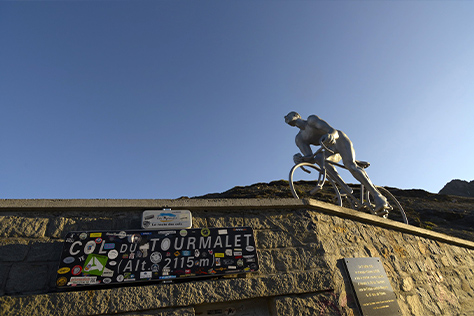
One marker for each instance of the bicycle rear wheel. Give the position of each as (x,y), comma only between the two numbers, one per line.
(396,210)
(303,185)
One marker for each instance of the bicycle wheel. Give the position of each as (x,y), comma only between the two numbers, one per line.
(303,185)
(396,212)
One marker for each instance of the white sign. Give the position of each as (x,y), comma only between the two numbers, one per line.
(167,219)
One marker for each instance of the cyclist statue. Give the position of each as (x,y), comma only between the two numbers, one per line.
(315,131)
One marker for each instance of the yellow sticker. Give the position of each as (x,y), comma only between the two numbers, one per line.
(96,234)
(62,281)
(219,255)
(64,270)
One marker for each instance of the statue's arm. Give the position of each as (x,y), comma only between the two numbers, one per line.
(305,149)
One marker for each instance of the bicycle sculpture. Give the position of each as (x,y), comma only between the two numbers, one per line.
(335,145)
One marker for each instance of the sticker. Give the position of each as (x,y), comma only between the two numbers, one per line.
(98,240)
(64,270)
(145,224)
(83,280)
(205,232)
(95,264)
(186,253)
(183,232)
(109,245)
(250,248)
(145,275)
(222,231)
(155,267)
(107,273)
(62,281)
(240,263)
(196,253)
(112,254)
(219,255)
(93,235)
(107,280)
(68,260)
(165,244)
(218,261)
(76,270)
(177,253)
(228,252)
(83,236)
(112,263)
(122,234)
(135,238)
(155,257)
(119,278)
(90,247)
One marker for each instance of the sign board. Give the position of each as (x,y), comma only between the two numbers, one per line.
(166,219)
(371,287)
(113,257)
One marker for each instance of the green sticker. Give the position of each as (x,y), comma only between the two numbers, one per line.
(95,264)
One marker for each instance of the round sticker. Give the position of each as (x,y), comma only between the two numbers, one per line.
(83,236)
(76,270)
(62,281)
(112,263)
(64,270)
(122,234)
(90,247)
(146,224)
(205,232)
(98,240)
(165,244)
(155,257)
(107,280)
(183,232)
(112,254)
(250,248)
(119,278)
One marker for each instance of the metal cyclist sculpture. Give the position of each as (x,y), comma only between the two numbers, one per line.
(315,131)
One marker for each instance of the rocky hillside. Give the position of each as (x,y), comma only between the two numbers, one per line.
(449,214)
(459,187)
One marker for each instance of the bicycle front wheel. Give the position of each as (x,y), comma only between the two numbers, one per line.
(396,210)
(303,184)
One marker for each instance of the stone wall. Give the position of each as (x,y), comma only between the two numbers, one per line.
(300,245)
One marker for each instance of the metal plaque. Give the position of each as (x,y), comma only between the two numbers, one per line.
(166,219)
(371,287)
(102,258)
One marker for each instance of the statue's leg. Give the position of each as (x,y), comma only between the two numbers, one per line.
(334,158)
(346,150)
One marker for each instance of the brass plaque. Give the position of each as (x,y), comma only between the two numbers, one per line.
(371,287)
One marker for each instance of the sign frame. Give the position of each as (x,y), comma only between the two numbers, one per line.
(373,291)
(118,257)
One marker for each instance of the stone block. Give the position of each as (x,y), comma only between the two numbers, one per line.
(13,249)
(310,304)
(287,259)
(267,239)
(26,278)
(44,250)
(20,226)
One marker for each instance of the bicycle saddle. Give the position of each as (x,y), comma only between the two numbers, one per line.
(363,164)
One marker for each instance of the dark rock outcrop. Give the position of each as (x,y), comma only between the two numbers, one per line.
(458,187)
(449,214)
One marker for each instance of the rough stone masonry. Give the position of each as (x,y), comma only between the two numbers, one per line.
(300,246)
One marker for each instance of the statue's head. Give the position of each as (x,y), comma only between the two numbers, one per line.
(291,118)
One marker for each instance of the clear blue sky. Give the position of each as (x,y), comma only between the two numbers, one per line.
(162,99)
